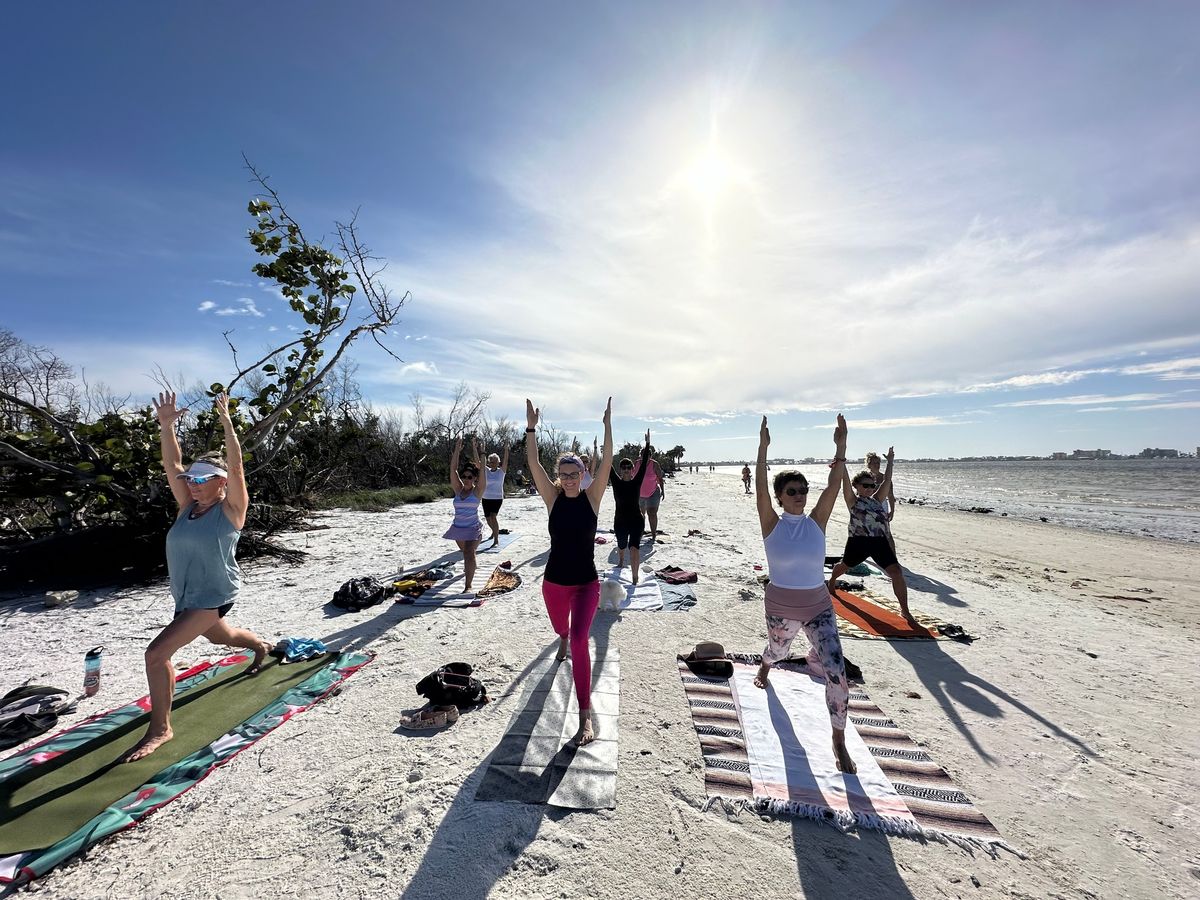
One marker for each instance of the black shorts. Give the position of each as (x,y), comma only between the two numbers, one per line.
(859,547)
(491,507)
(222,611)
(628,533)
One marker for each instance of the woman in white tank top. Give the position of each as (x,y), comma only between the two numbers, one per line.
(493,492)
(797,598)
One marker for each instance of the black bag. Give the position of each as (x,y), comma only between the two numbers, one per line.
(452,685)
(29,711)
(359,593)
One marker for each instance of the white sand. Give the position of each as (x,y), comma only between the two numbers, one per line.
(1089,765)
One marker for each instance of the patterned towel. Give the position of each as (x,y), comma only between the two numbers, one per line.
(879,619)
(176,778)
(749,763)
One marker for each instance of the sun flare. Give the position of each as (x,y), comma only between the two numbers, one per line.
(712,174)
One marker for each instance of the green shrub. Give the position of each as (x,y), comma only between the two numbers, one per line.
(386,499)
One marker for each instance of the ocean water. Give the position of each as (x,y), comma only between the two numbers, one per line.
(1152,498)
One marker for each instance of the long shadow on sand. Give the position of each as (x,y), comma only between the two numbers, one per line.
(951,684)
(510,827)
(926,585)
(828,862)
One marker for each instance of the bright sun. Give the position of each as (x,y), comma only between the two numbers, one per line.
(711,174)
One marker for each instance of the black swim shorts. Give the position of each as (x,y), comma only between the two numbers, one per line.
(491,507)
(859,548)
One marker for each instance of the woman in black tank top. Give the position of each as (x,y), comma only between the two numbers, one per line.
(571,586)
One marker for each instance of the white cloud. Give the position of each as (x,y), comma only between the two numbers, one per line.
(205,306)
(419,368)
(231,283)
(247,307)
(685,421)
(1168,370)
(1086,400)
(904,422)
(1176,404)
(1037,380)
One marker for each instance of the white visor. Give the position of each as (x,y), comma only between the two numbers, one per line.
(203,468)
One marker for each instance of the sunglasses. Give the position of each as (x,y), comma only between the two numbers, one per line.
(867,484)
(199,479)
(792,492)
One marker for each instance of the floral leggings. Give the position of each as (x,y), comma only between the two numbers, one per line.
(826,653)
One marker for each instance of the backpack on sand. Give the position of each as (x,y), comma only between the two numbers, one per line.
(359,593)
(452,685)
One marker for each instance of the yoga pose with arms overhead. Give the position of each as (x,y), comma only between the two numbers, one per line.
(466,530)
(571,585)
(889,501)
(628,523)
(869,532)
(797,599)
(493,492)
(201,547)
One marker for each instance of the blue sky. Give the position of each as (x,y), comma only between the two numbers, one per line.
(974,228)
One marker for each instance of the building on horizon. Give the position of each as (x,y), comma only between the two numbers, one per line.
(1158,453)
(1091,454)
(1058,455)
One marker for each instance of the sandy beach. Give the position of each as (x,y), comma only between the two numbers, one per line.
(1071,722)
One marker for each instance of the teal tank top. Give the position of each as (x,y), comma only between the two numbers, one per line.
(201,560)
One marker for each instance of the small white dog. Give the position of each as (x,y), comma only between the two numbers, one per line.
(612,593)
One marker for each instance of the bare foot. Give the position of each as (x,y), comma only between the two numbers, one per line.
(563,652)
(764,672)
(635,577)
(259,655)
(147,745)
(841,757)
(584,735)
(910,618)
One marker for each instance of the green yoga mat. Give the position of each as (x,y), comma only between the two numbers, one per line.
(59,796)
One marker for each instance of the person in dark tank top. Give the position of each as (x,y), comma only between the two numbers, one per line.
(571,585)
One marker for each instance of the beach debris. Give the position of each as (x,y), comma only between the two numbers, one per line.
(60,598)
(912,695)
(747,594)
(1089,653)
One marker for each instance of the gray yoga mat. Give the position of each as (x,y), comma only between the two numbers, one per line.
(533,762)
(486,546)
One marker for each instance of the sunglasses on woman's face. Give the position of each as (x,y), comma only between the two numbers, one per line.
(199,479)
(867,484)
(792,492)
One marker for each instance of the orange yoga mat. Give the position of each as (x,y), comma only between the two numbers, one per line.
(875,619)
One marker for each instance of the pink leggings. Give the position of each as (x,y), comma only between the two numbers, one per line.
(571,608)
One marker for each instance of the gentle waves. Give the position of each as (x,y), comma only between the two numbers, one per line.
(1152,498)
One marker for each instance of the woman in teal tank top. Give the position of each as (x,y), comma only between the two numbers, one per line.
(201,548)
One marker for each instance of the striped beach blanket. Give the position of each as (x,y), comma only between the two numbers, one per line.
(771,751)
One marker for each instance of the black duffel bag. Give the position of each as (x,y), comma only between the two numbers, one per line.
(452,685)
(359,593)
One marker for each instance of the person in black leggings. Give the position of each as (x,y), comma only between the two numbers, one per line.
(628,521)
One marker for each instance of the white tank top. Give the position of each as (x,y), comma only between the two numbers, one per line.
(796,553)
(494,489)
